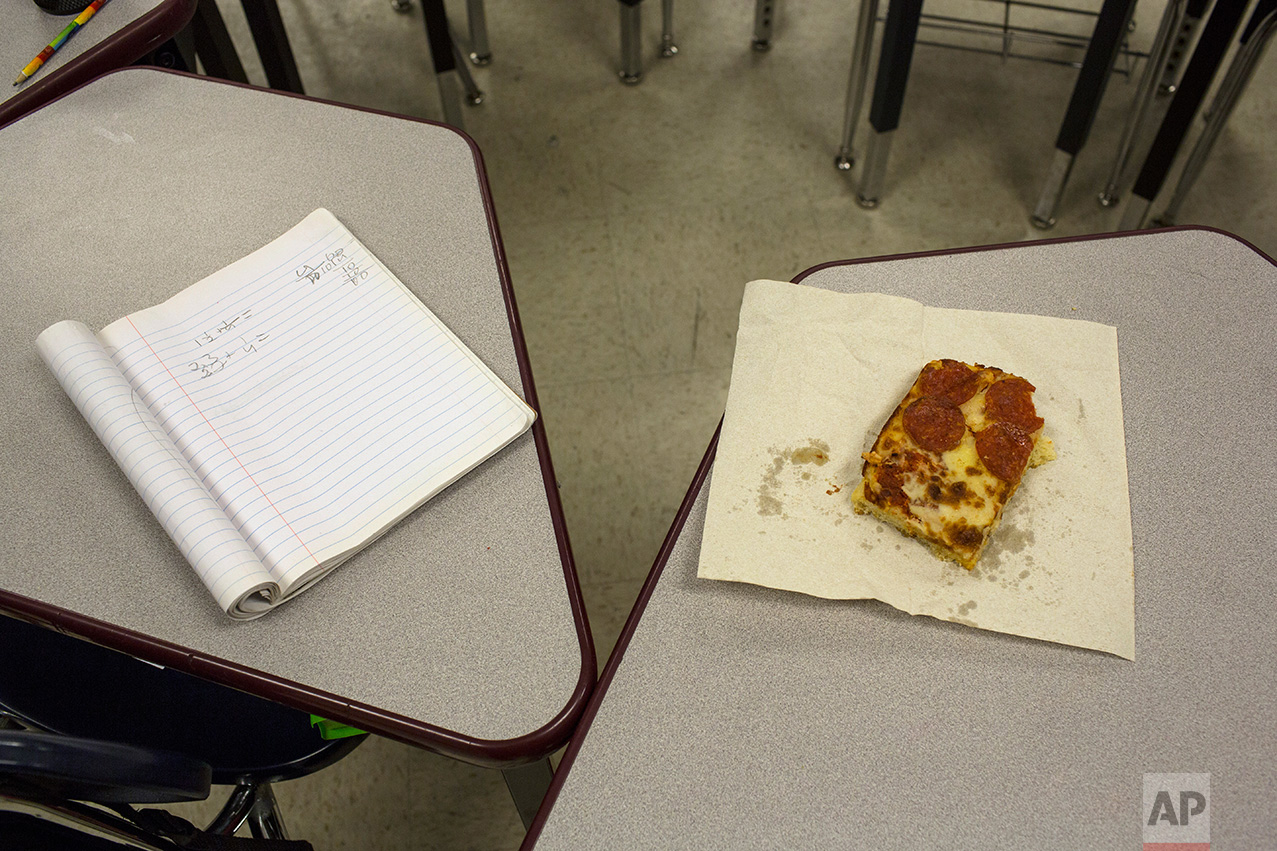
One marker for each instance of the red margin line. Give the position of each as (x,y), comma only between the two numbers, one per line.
(223,440)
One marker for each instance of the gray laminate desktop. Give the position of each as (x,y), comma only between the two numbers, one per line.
(741,717)
(459,622)
(120,32)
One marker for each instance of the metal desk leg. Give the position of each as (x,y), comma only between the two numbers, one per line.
(668,47)
(764,17)
(856,84)
(1217,35)
(898,36)
(1144,95)
(1110,28)
(443,56)
(267,27)
(213,44)
(871,179)
(480,52)
(1262,24)
(528,785)
(1185,32)
(474,96)
(631,37)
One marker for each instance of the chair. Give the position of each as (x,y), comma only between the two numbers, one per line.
(1217,36)
(58,684)
(45,778)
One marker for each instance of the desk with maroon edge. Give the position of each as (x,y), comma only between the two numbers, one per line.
(733,716)
(462,629)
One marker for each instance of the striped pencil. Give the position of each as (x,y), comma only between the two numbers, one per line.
(80,20)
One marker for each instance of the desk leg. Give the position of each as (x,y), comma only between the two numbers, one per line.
(764,18)
(213,44)
(267,28)
(860,51)
(1217,37)
(443,57)
(1186,32)
(668,47)
(474,95)
(528,785)
(1110,29)
(1158,60)
(899,33)
(480,52)
(631,41)
(1235,80)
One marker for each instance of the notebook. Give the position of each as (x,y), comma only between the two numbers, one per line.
(281,414)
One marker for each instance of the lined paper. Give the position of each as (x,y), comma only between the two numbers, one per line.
(314,397)
(163,478)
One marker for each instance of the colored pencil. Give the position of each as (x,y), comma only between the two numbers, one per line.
(80,20)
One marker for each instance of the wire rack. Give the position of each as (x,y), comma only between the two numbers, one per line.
(1018,29)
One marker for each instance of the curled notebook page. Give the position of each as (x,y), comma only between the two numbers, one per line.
(192,518)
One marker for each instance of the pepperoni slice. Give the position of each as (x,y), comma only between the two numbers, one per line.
(934,423)
(951,380)
(1011,401)
(1004,448)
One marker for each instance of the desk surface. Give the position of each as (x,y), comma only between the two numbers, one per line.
(461,630)
(734,716)
(121,32)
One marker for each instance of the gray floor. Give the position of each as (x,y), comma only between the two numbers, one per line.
(632,218)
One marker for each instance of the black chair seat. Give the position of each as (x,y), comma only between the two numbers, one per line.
(68,686)
(68,768)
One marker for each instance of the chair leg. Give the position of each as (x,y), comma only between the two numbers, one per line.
(234,812)
(764,18)
(264,819)
(1110,28)
(528,785)
(860,51)
(631,38)
(477,20)
(253,804)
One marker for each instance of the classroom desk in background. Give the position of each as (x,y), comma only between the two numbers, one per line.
(120,33)
(461,630)
(734,716)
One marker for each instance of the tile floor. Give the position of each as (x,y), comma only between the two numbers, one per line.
(633,216)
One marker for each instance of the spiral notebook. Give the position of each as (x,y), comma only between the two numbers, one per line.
(281,414)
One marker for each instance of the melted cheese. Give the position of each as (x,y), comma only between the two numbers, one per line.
(951,500)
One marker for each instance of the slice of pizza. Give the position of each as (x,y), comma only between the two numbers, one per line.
(951,455)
